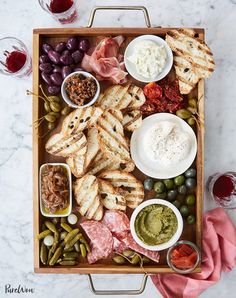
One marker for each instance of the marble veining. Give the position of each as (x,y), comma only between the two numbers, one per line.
(18,18)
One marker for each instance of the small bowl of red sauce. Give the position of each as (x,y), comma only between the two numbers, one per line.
(183,257)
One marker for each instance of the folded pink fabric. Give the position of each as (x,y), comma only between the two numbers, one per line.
(219,254)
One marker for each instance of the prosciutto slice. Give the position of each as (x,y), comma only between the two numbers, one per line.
(106,61)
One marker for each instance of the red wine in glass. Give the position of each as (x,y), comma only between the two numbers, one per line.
(59,6)
(222,188)
(15,60)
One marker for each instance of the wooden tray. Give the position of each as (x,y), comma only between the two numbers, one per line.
(191,232)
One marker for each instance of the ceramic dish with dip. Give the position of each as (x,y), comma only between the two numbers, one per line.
(164,146)
(148,58)
(156,224)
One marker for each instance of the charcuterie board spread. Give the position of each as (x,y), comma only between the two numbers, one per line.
(118,139)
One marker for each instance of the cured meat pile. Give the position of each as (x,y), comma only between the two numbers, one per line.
(55,188)
(112,235)
(106,61)
(162,97)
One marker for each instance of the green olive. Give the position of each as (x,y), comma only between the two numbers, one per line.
(169,183)
(190,173)
(191,219)
(171,195)
(183,114)
(190,199)
(182,189)
(65,111)
(162,195)
(135,260)
(176,203)
(148,184)
(128,253)
(50,118)
(192,103)
(47,106)
(184,210)
(191,121)
(159,187)
(55,106)
(54,98)
(179,180)
(190,183)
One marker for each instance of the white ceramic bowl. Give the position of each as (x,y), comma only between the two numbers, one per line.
(131,68)
(58,214)
(174,238)
(143,160)
(67,99)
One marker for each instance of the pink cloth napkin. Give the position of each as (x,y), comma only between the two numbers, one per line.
(219,254)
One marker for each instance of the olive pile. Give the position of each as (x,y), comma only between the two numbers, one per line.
(178,190)
(52,108)
(67,245)
(189,113)
(131,257)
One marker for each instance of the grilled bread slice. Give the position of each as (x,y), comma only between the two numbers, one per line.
(130,187)
(93,147)
(102,162)
(80,119)
(122,97)
(76,165)
(193,59)
(132,120)
(66,145)
(86,194)
(111,199)
(111,136)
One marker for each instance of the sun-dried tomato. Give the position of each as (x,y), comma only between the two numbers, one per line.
(153,91)
(171,91)
(148,108)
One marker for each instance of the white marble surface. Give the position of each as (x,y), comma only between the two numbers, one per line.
(18,18)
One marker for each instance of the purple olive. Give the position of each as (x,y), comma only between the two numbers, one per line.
(56,79)
(66,52)
(54,57)
(72,43)
(66,59)
(60,47)
(46,78)
(46,48)
(56,68)
(84,45)
(66,70)
(45,67)
(53,90)
(44,59)
(77,56)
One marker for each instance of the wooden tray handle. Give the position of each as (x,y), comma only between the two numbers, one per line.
(118,292)
(142,8)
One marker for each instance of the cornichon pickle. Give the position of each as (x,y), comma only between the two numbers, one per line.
(68,259)
(83,250)
(51,226)
(43,254)
(63,235)
(44,227)
(65,111)
(69,249)
(56,256)
(68,263)
(70,254)
(50,254)
(55,106)
(43,234)
(66,227)
(83,240)
(71,235)
(55,220)
(146,260)
(128,253)
(135,260)
(119,260)
(76,246)
(55,242)
(71,243)
(184,114)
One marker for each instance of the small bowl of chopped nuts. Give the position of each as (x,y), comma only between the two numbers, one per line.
(80,89)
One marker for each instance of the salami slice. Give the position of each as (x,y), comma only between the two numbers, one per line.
(118,246)
(117,222)
(130,242)
(100,238)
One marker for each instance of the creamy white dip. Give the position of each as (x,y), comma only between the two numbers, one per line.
(167,143)
(149,58)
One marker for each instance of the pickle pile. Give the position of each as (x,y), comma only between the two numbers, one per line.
(132,257)
(68,243)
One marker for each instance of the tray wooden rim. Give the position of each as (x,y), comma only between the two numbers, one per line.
(108,269)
